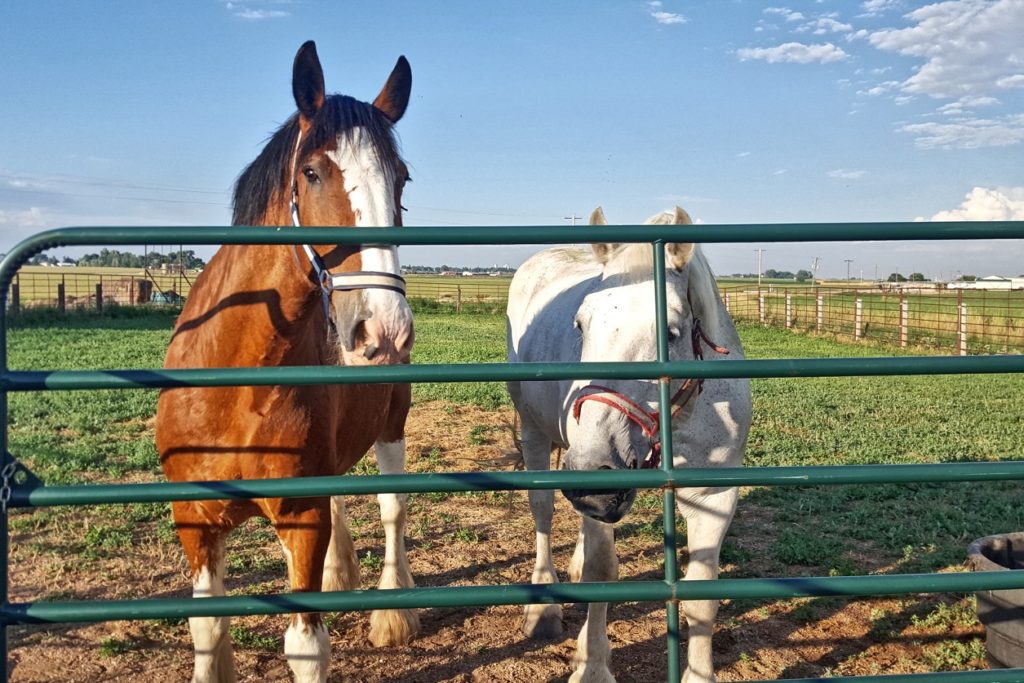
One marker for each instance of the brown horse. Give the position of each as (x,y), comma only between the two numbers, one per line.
(335,162)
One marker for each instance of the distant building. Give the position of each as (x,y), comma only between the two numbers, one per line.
(997,282)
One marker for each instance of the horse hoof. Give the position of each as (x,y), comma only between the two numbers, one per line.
(393,627)
(543,622)
(592,673)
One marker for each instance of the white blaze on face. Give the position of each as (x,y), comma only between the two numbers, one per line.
(371,193)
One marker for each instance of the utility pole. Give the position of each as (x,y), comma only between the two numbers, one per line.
(572,218)
(848,262)
(760,253)
(814,269)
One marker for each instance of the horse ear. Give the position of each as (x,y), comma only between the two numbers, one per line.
(308,80)
(681,217)
(602,250)
(679,254)
(394,97)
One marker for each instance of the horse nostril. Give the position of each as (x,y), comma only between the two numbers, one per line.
(370,351)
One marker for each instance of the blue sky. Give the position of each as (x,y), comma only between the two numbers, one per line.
(127,113)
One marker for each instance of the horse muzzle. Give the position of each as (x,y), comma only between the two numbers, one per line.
(605,505)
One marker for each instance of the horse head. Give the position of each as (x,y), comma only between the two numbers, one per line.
(336,163)
(616,424)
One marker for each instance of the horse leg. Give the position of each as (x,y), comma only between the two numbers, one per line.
(341,567)
(600,564)
(707,520)
(204,546)
(398,626)
(576,563)
(304,528)
(541,621)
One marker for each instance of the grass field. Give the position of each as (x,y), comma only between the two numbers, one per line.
(71,437)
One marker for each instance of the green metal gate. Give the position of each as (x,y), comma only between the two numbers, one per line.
(19,489)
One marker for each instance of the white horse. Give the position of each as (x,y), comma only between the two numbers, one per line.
(567,304)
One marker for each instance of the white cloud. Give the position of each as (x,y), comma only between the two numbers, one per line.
(795,53)
(785,13)
(248,13)
(669,18)
(970,47)
(260,14)
(843,174)
(967,133)
(873,7)
(30,218)
(983,204)
(823,25)
(965,104)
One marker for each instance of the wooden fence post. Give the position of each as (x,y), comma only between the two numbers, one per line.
(15,297)
(858,319)
(99,296)
(60,297)
(458,299)
(789,311)
(963,328)
(819,315)
(904,321)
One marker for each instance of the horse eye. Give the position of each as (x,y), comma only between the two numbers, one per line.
(311,175)
(673,334)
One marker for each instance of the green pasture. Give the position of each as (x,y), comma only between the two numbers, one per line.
(70,437)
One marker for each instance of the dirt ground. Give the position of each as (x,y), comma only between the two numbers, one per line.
(454,540)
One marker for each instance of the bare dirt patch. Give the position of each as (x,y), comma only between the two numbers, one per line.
(485,538)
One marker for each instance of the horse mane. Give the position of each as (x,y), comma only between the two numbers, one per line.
(263,180)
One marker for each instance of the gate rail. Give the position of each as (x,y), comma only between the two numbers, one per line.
(670,590)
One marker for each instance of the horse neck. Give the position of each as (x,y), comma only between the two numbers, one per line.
(261,297)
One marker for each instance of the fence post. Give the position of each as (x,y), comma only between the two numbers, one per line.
(789,310)
(15,297)
(858,319)
(904,321)
(819,314)
(99,296)
(728,309)
(60,297)
(963,328)
(458,299)
(131,290)
(760,307)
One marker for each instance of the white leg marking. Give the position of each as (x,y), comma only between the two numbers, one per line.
(600,564)
(393,627)
(214,659)
(308,650)
(341,567)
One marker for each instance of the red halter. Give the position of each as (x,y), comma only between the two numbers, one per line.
(649,421)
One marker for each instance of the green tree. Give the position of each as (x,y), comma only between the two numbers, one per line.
(918,277)
(896,277)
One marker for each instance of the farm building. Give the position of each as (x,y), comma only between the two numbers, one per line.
(991,282)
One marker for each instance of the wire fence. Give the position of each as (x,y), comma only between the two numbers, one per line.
(957,320)
(63,289)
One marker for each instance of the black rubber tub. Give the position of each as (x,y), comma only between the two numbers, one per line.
(1001,611)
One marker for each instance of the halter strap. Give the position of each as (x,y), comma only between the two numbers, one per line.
(339,282)
(649,421)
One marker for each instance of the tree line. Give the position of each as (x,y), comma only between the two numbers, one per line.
(112,258)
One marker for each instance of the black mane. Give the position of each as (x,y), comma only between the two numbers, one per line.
(268,177)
